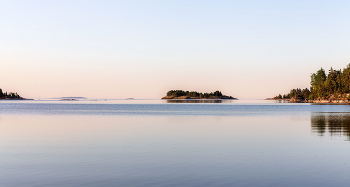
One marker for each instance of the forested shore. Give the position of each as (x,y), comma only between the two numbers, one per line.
(333,87)
(180,94)
(10,95)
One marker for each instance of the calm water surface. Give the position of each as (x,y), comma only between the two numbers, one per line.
(159,143)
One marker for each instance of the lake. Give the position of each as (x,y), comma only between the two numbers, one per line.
(160,143)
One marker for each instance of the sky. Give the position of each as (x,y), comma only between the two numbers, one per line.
(141,49)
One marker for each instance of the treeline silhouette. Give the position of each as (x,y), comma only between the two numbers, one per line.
(295,93)
(335,84)
(10,95)
(179,93)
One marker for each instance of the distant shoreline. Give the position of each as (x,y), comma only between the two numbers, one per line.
(15,99)
(316,101)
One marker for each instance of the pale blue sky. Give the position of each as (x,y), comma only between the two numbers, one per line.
(142,49)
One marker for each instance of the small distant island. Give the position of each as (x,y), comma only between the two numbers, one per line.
(11,95)
(71,98)
(180,94)
(333,87)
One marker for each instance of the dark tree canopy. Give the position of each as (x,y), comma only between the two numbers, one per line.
(323,86)
(194,94)
(10,95)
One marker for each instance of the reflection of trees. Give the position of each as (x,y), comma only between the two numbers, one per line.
(194,101)
(337,124)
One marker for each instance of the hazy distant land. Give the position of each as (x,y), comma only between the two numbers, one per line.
(180,94)
(333,87)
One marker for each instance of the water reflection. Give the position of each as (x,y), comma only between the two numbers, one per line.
(194,101)
(336,124)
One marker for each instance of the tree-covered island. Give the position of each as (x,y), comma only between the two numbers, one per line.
(333,87)
(180,94)
(10,95)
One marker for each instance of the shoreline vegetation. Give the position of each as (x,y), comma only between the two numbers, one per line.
(333,87)
(180,94)
(10,96)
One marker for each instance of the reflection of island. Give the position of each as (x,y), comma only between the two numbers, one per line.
(180,94)
(336,124)
(194,101)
